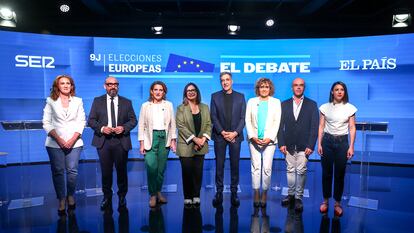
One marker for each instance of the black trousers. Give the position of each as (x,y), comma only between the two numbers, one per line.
(192,173)
(220,152)
(112,153)
(334,164)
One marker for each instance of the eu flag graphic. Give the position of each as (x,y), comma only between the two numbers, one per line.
(178,63)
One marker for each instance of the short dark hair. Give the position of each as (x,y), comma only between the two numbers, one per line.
(198,100)
(345,99)
(260,81)
(224,73)
(163,87)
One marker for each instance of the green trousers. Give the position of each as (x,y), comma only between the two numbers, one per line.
(156,161)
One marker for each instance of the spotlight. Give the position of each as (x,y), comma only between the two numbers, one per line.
(233,29)
(157,30)
(6,13)
(270,23)
(64,8)
(7,17)
(401,20)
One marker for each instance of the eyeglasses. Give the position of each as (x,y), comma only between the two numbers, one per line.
(112,84)
(191,90)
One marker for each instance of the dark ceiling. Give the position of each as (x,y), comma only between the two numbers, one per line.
(208,19)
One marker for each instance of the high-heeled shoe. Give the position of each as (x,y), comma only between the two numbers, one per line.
(62,208)
(338,211)
(61,212)
(71,206)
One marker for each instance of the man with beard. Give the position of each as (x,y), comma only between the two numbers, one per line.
(112,117)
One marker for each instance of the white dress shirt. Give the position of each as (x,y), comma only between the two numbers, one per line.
(108,108)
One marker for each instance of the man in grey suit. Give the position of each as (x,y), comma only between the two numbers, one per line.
(228,110)
(112,118)
(296,140)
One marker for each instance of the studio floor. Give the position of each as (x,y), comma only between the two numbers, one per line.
(392,186)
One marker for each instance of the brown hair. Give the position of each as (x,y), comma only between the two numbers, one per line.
(164,87)
(345,99)
(260,81)
(54,91)
(198,99)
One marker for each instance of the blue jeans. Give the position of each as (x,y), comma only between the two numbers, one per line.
(62,161)
(334,164)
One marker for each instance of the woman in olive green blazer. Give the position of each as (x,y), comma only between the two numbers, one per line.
(194,131)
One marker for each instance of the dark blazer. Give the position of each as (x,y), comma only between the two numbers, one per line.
(301,133)
(98,117)
(217,115)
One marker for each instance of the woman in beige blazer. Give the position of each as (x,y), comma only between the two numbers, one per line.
(156,135)
(263,115)
(64,121)
(194,131)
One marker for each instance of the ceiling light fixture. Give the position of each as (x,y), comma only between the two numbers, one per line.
(7,17)
(157,30)
(401,19)
(64,8)
(270,22)
(233,29)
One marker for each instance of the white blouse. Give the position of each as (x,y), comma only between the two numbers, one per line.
(337,117)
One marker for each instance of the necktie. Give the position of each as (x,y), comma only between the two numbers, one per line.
(113,113)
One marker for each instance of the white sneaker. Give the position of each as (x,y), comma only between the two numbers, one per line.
(196,200)
(188,202)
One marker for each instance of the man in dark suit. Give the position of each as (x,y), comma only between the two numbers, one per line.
(112,117)
(228,110)
(296,139)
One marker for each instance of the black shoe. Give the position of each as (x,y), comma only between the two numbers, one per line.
(106,203)
(288,200)
(61,213)
(72,207)
(298,205)
(196,202)
(235,200)
(218,199)
(122,203)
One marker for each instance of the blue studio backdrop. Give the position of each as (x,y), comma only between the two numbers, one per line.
(378,71)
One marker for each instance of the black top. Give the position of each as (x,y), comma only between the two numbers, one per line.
(197,123)
(228,106)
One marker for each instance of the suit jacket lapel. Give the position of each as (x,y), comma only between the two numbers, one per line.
(189,117)
(220,105)
(119,111)
(302,108)
(290,109)
(105,116)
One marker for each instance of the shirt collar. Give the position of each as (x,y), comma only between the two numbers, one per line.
(108,97)
(301,98)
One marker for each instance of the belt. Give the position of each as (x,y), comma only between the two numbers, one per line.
(336,138)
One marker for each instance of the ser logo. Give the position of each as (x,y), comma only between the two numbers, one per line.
(35,61)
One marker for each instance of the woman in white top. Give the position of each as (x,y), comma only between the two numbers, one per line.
(156,135)
(263,115)
(337,120)
(64,121)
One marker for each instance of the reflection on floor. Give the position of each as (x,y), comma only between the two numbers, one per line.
(391,186)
